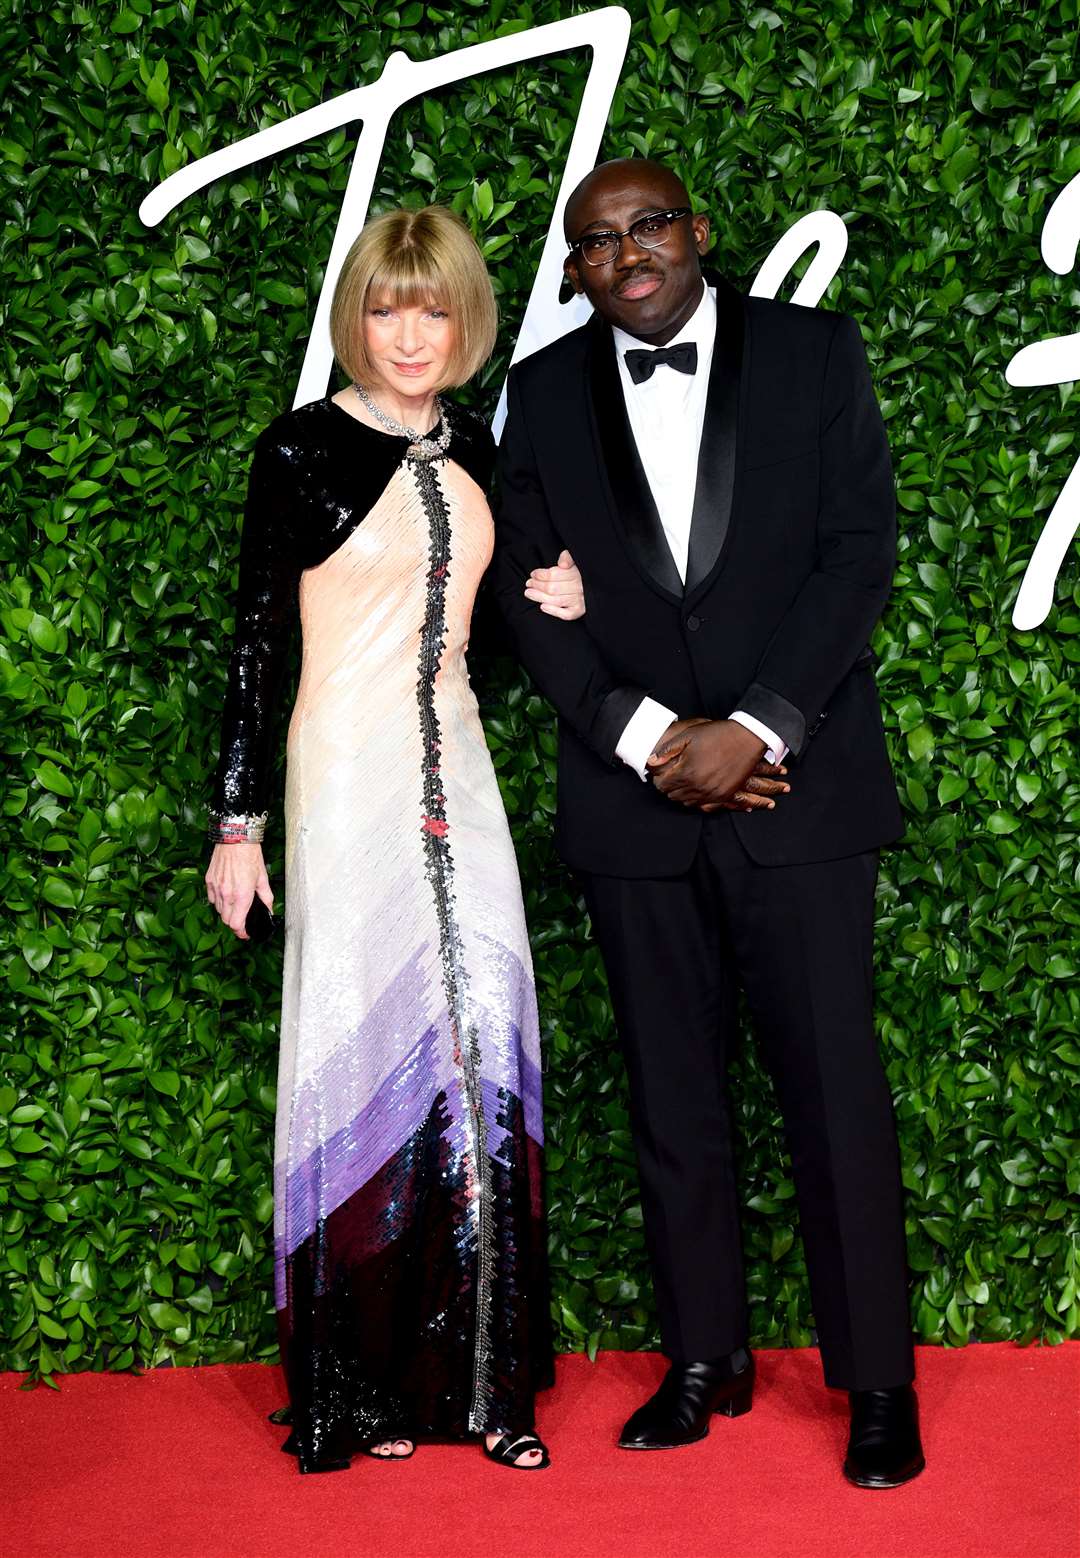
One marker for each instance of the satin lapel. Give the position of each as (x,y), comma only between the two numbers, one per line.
(711,520)
(632,507)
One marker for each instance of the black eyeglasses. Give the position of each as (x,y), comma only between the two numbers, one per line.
(648,231)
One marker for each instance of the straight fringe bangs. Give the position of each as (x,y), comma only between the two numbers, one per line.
(411,259)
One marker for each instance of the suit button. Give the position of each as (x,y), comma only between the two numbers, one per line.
(693,623)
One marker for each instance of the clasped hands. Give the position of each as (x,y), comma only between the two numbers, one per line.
(715,765)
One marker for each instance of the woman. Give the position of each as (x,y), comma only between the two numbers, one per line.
(409,1248)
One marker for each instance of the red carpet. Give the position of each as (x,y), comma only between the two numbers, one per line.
(182,1464)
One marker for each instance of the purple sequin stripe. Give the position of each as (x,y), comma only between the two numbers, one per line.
(440,873)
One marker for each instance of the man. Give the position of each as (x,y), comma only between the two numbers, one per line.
(718,468)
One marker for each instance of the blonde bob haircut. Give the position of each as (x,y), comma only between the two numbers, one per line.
(412,259)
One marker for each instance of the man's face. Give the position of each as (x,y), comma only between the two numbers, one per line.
(650,293)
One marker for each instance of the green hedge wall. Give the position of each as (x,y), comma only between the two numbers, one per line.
(138,1039)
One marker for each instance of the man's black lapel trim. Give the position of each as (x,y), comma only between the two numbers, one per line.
(633,508)
(711,521)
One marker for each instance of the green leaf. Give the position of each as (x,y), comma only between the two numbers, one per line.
(27,1141)
(165,1316)
(1003,822)
(571,1322)
(920,742)
(954,1316)
(43,633)
(484,199)
(56,891)
(951,787)
(278,291)
(51,778)
(37,949)
(780,1243)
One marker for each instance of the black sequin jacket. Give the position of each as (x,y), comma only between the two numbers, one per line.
(316,472)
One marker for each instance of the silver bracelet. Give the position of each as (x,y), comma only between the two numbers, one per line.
(236,828)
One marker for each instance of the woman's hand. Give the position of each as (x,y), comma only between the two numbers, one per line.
(235,874)
(559,590)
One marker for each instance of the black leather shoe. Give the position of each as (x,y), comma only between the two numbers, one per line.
(884,1449)
(679,1412)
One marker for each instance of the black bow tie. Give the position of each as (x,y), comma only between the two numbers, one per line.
(643,364)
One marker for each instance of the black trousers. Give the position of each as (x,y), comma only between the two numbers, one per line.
(799,939)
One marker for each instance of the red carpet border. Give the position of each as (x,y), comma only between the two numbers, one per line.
(181,1463)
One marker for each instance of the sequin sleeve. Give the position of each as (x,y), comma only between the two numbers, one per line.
(266,608)
(473,447)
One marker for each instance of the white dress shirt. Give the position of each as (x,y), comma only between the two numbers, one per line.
(666,414)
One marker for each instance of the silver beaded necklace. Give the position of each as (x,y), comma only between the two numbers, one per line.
(421,447)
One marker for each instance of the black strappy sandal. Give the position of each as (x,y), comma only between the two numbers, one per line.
(283,1417)
(505,1451)
(369,1449)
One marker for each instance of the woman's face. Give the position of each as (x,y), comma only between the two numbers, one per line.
(409,346)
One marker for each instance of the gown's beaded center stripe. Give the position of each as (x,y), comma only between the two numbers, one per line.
(440,872)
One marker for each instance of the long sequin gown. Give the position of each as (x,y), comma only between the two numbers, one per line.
(410,1281)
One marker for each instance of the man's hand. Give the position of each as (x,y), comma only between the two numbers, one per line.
(715,765)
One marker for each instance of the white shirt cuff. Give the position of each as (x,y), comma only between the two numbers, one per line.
(643,730)
(775,749)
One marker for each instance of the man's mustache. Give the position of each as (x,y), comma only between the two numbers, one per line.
(639,275)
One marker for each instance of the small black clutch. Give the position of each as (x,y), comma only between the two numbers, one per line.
(259,923)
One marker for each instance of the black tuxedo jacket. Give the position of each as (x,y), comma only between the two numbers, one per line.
(792,549)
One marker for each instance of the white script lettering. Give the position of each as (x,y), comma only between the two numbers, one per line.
(1054,361)
(607,33)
